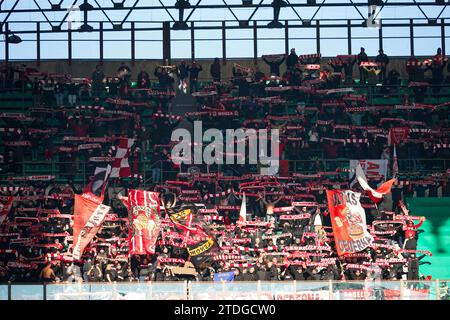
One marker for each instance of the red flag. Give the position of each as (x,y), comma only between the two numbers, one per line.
(375,195)
(143,210)
(88,218)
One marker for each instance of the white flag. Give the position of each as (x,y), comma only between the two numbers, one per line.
(243,211)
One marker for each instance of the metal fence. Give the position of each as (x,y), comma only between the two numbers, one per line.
(257,290)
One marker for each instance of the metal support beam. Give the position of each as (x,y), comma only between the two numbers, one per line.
(193,40)
(418,6)
(349,36)
(6,42)
(38,43)
(69,10)
(286,37)
(295,11)
(318,36)
(256,9)
(133,44)
(130,11)
(292,25)
(193,10)
(443,36)
(356,8)
(69,45)
(7,16)
(255,41)
(234,15)
(102,43)
(380,36)
(411,36)
(43,13)
(363,4)
(224,43)
(104,12)
(167,11)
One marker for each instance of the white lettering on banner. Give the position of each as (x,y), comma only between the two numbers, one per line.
(94,221)
(303,295)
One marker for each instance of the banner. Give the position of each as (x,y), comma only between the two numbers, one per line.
(303,295)
(88,218)
(370,167)
(143,212)
(397,134)
(224,276)
(348,220)
(201,253)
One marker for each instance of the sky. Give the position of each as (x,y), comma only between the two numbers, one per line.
(208,43)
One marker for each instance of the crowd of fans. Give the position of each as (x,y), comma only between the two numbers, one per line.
(75,122)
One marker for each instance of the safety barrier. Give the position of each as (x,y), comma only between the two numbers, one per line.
(256,290)
(81,171)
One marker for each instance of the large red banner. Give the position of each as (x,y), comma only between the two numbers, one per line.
(143,212)
(348,220)
(88,218)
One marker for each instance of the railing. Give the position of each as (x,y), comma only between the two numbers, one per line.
(372,89)
(256,290)
(81,171)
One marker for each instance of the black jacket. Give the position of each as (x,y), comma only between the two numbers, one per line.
(183,71)
(273,273)
(215,70)
(296,272)
(262,275)
(194,71)
(292,60)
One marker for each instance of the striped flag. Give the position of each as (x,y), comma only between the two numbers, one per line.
(120,165)
(145,225)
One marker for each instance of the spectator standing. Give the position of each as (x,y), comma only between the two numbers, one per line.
(292,60)
(194,72)
(215,70)
(183,74)
(362,57)
(36,92)
(383,60)
(98,78)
